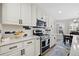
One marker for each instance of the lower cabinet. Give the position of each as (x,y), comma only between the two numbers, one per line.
(52,41)
(10,48)
(16,53)
(12,53)
(26,48)
(29,47)
(37,47)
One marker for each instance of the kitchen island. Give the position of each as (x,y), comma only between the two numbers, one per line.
(75,46)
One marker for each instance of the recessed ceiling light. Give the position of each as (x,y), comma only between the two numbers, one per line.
(59,11)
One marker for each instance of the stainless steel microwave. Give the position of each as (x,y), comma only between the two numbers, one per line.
(40,23)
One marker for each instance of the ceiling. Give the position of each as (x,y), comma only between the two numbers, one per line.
(61,11)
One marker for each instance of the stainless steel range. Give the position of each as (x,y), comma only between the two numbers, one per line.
(45,43)
(44,39)
(40,30)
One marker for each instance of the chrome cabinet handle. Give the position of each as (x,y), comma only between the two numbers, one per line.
(13,47)
(29,42)
(22,51)
(20,21)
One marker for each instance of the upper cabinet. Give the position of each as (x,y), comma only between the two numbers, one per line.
(51,21)
(0,13)
(10,13)
(34,14)
(40,14)
(25,15)
(15,13)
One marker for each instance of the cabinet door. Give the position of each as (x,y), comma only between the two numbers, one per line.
(47,20)
(16,53)
(44,15)
(52,41)
(34,18)
(37,47)
(0,13)
(50,21)
(10,13)
(29,48)
(39,13)
(26,14)
(12,53)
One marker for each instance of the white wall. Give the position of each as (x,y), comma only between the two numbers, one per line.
(69,10)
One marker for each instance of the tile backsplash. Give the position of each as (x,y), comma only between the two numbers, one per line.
(11,28)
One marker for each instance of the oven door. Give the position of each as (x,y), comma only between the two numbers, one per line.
(43,43)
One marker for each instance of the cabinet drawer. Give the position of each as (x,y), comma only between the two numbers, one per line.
(29,47)
(13,53)
(30,42)
(11,47)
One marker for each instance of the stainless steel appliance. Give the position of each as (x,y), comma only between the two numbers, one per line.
(40,31)
(40,23)
(45,44)
(44,39)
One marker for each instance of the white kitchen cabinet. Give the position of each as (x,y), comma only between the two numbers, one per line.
(25,15)
(34,14)
(0,13)
(47,20)
(10,13)
(41,14)
(12,53)
(52,41)
(12,49)
(44,15)
(29,48)
(50,21)
(16,53)
(37,47)
(16,13)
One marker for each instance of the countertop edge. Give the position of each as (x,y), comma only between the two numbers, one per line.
(18,41)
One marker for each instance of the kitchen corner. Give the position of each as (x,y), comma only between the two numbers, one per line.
(25,31)
(18,38)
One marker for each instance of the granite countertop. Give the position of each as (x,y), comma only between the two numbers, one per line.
(12,41)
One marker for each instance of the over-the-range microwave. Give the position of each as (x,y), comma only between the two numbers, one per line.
(40,23)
